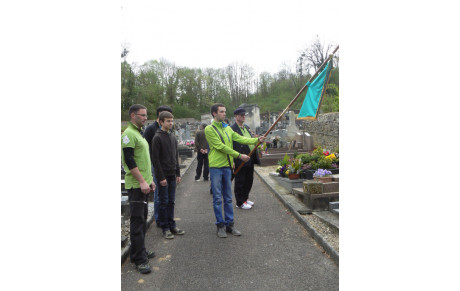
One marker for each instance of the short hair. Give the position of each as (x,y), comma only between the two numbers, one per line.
(215,108)
(163,108)
(203,125)
(164,115)
(135,108)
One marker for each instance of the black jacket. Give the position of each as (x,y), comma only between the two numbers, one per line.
(244,149)
(165,155)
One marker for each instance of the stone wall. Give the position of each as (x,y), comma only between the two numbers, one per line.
(325,130)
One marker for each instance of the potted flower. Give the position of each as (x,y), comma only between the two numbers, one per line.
(323,176)
(305,172)
(294,169)
(281,170)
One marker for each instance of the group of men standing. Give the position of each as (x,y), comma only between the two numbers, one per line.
(150,160)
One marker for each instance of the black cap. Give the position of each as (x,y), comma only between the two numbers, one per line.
(239,111)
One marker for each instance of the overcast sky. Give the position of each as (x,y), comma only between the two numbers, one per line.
(209,33)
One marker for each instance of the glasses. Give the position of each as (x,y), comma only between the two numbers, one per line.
(143,115)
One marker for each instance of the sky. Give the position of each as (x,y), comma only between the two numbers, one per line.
(204,33)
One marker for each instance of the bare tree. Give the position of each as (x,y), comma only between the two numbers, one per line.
(313,56)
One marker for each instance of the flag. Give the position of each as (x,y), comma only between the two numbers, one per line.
(314,94)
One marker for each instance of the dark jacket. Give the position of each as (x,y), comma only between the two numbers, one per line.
(200,141)
(244,149)
(149,133)
(165,155)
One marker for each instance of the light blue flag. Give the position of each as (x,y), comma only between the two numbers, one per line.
(314,94)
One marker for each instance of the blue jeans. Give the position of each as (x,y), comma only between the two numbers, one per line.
(156,200)
(221,185)
(167,196)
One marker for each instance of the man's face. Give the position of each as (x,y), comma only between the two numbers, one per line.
(240,118)
(167,124)
(139,118)
(220,115)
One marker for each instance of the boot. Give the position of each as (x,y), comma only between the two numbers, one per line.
(231,229)
(221,230)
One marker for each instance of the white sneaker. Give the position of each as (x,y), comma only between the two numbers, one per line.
(197,180)
(249,202)
(244,206)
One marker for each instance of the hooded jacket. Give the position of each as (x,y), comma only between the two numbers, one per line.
(165,155)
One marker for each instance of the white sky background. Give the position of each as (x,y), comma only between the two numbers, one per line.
(209,33)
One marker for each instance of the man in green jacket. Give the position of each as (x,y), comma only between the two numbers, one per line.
(220,138)
(139,183)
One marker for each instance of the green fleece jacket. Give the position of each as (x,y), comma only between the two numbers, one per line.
(218,151)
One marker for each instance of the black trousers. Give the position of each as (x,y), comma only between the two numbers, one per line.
(138,225)
(202,161)
(243,184)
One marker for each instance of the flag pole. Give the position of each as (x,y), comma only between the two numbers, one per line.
(289,105)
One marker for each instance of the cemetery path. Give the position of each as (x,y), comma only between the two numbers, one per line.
(274,253)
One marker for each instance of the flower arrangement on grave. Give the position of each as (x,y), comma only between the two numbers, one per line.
(281,170)
(283,166)
(294,166)
(322,173)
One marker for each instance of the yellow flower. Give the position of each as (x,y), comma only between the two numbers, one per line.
(331,156)
(287,172)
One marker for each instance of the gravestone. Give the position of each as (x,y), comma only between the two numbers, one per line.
(292,128)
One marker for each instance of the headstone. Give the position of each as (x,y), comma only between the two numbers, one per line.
(308,141)
(292,128)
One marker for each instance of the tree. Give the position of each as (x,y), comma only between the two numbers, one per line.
(313,56)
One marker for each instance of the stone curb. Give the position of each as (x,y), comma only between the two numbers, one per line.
(125,251)
(316,236)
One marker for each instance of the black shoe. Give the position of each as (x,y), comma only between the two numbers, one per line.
(144,268)
(178,231)
(150,254)
(231,229)
(206,180)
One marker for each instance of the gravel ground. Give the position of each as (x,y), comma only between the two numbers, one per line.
(331,235)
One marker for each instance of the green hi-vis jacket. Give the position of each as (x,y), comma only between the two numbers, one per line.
(218,151)
(132,138)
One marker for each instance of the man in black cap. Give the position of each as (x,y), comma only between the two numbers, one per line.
(245,177)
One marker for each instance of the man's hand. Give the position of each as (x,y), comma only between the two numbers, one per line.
(145,188)
(262,138)
(178,180)
(153,186)
(245,158)
(163,183)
